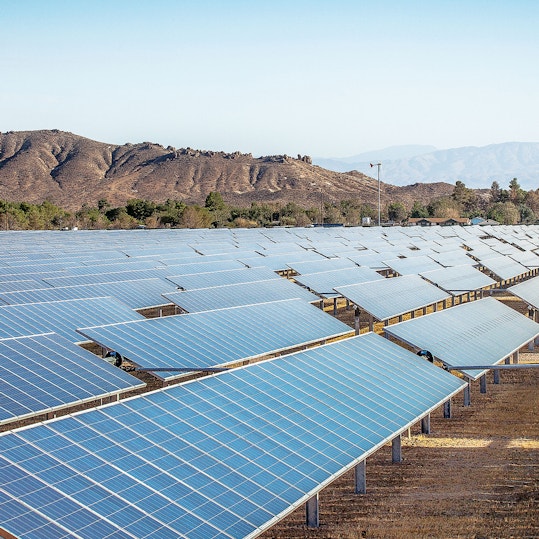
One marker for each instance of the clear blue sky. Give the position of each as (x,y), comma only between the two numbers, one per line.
(327,78)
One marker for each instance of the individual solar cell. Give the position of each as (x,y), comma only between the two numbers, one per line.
(325,264)
(482,332)
(44,373)
(323,283)
(137,294)
(413,265)
(528,291)
(388,298)
(504,267)
(62,317)
(223,456)
(216,338)
(458,279)
(221,297)
(220,278)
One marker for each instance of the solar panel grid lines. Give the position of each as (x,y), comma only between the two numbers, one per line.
(219,297)
(43,373)
(458,279)
(217,338)
(62,317)
(387,298)
(463,334)
(195,281)
(528,291)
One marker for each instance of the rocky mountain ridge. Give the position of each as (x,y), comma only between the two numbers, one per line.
(70,170)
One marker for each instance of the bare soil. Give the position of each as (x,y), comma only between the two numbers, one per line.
(474,476)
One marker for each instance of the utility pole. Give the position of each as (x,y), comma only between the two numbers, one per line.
(378,165)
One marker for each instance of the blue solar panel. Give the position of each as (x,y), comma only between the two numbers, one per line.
(62,317)
(137,294)
(482,332)
(224,277)
(44,373)
(215,338)
(224,456)
(387,298)
(221,297)
(323,283)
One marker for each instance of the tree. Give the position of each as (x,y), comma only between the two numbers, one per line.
(418,210)
(505,213)
(397,212)
(444,207)
(464,197)
(140,209)
(495,192)
(214,201)
(516,194)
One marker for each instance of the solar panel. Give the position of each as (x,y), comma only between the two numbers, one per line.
(413,265)
(388,298)
(223,456)
(324,264)
(26,284)
(458,279)
(216,338)
(527,291)
(504,267)
(225,277)
(44,373)
(281,262)
(62,317)
(137,294)
(483,332)
(323,283)
(221,297)
(105,277)
(203,266)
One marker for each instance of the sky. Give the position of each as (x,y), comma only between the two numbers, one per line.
(325,78)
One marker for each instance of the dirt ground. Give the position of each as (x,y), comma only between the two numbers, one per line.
(474,476)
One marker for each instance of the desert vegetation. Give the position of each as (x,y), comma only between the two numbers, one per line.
(505,206)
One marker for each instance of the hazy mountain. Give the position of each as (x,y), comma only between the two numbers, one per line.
(477,167)
(342,164)
(70,170)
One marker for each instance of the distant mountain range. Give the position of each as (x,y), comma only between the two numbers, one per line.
(477,167)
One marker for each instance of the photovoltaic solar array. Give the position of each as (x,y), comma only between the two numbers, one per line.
(216,338)
(527,291)
(137,294)
(225,456)
(504,267)
(323,283)
(412,265)
(387,298)
(44,373)
(62,317)
(459,279)
(224,277)
(221,297)
(469,334)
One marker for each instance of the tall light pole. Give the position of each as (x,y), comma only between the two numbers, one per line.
(378,165)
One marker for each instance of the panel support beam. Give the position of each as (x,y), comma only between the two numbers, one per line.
(312,516)
(467,395)
(447,409)
(360,476)
(396,449)
(483,383)
(425,424)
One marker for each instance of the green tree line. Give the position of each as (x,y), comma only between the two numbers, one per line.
(506,206)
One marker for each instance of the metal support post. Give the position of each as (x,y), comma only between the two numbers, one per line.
(361,477)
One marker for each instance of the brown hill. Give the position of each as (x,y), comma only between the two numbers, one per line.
(70,170)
